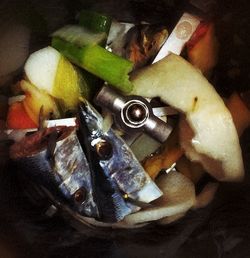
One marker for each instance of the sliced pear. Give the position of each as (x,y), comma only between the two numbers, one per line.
(49,71)
(207,134)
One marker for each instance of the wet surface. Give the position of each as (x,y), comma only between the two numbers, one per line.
(220,230)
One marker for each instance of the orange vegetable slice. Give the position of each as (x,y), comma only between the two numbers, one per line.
(17,117)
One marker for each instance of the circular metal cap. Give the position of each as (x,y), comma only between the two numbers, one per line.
(135,113)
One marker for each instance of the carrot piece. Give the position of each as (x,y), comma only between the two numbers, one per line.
(17,117)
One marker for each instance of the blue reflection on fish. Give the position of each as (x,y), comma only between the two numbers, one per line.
(92,171)
(120,166)
(57,163)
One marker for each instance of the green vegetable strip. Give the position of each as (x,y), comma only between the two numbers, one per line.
(97,23)
(94,21)
(98,61)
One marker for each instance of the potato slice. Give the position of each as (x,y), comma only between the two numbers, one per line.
(178,197)
(208,134)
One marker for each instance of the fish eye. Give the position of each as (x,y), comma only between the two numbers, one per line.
(104,149)
(80,195)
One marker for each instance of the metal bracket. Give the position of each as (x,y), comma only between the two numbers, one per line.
(133,114)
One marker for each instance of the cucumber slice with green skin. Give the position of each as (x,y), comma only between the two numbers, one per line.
(95,21)
(80,36)
(98,61)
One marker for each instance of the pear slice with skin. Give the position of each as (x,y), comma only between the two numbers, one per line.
(207,131)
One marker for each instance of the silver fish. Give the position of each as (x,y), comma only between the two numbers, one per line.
(92,171)
(54,159)
(117,160)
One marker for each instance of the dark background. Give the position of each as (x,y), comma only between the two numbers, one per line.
(220,230)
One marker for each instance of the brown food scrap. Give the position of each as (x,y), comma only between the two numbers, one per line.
(170,153)
(143,43)
(195,101)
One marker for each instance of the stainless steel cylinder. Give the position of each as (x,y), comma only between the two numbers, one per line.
(133,114)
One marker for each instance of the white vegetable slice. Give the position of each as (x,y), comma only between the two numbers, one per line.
(178,197)
(213,139)
(52,73)
(41,68)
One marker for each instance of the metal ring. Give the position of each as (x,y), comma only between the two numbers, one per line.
(126,116)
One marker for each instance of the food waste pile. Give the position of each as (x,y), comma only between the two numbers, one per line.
(117,122)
